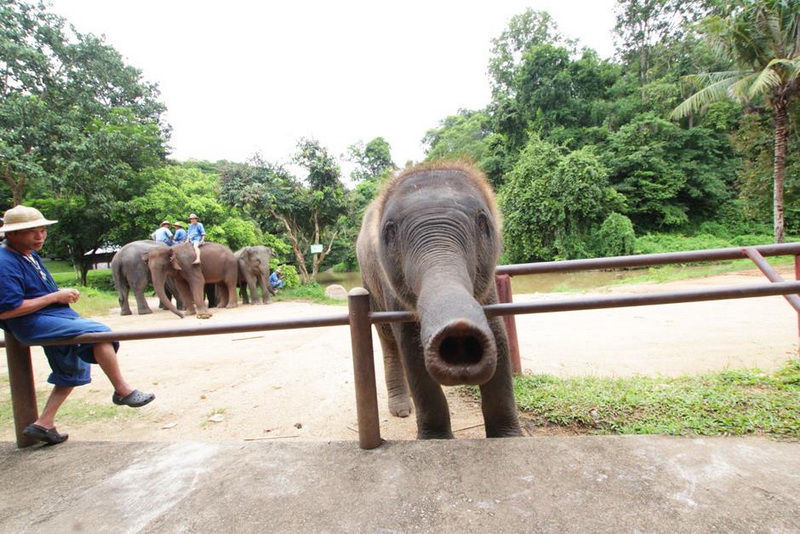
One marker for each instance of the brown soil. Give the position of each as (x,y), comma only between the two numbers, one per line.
(298,384)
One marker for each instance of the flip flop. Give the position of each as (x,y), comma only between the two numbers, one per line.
(49,435)
(135,399)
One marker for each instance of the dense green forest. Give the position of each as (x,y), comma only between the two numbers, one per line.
(691,130)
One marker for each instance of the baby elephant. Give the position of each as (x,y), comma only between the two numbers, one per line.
(429,244)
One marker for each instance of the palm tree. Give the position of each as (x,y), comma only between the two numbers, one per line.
(762,37)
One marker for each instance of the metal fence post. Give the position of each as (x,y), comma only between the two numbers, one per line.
(369,430)
(504,295)
(23,388)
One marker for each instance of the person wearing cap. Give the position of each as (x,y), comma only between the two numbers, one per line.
(34,309)
(276,281)
(196,235)
(180,233)
(162,233)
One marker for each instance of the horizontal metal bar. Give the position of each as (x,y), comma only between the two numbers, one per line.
(644,260)
(646,299)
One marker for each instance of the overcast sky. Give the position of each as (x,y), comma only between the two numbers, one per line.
(246,76)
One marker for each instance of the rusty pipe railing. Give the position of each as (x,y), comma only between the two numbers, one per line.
(360,319)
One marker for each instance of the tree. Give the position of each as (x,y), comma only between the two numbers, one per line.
(553,203)
(762,37)
(372,160)
(77,125)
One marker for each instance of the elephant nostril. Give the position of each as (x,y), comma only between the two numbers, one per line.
(462,350)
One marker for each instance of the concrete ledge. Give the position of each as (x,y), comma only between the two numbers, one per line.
(549,484)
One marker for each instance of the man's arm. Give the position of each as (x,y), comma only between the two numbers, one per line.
(62,296)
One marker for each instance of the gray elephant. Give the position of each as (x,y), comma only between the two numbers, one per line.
(253,273)
(130,272)
(429,244)
(218,266)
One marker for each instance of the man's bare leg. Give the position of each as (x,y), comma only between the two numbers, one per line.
(197,253)
(47,419)
(107,360)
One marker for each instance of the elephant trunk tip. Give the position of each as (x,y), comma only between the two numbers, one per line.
(461,352)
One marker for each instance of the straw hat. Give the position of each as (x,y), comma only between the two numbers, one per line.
(177,223)
(22,218)
(192,216)
(165,222)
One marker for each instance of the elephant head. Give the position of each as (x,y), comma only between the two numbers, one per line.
(164,263)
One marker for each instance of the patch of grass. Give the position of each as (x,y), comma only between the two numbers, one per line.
(730,403)
(672,273)
(312,292)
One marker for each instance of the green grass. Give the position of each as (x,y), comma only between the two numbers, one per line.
(312,292)
(730,403)
(672,273)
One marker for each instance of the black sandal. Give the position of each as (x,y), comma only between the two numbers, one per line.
(48,435)
(135,399)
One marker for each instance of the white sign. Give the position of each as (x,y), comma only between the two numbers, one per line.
(316,249)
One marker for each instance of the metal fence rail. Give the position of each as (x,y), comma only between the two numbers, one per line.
(360,319)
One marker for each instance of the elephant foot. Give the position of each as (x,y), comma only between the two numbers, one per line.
(125,312)
(400,407)
(234,305)
(145,312)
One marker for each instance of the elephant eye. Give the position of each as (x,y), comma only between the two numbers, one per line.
(482,224)
(389,233)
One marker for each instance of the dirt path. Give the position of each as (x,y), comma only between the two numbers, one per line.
(298,384)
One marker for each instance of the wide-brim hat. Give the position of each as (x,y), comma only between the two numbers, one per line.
(23,218)
(165,222)
(192,216)
(177,223)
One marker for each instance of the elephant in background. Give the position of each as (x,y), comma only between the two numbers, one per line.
(219,266)
(253,273)
(130,272)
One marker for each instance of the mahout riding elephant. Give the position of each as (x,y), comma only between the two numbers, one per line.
(130,272)
(254,272)
(429,243)
(218,267)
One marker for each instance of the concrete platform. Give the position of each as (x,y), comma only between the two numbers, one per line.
(548,484)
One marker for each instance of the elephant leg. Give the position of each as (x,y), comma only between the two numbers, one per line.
(497,395)
(433,413)
(396,386)
(186,295)
(251,285)
(228,288)
(243,293)
(122,295)
(139,288)
(264,285)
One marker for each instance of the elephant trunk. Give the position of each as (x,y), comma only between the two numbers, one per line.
(159,281)
(458,343)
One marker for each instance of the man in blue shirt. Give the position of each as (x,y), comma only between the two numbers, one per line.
(34,309)
(163,235)
(276,279)
(196,235)
(180,233)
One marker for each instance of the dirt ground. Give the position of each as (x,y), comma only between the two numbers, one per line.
(298,384)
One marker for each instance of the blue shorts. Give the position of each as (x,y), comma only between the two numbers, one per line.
(70,364)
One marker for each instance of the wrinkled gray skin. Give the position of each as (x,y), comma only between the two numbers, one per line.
(429,244)
(130,272)
(218,267)
(254,273)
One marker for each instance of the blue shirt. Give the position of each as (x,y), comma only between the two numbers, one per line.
(274,281)
(163,235)
(180,235)
(195,232)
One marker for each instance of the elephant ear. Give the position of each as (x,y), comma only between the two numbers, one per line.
(246,253)
(174,260)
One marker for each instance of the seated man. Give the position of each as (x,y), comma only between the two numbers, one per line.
(34,309)
(276,280)
(196,235)
(163,235)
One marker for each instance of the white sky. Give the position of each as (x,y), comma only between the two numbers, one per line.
(246,76)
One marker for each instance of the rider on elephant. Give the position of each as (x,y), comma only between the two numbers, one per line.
(196,235)
(163,235)
(180,233)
